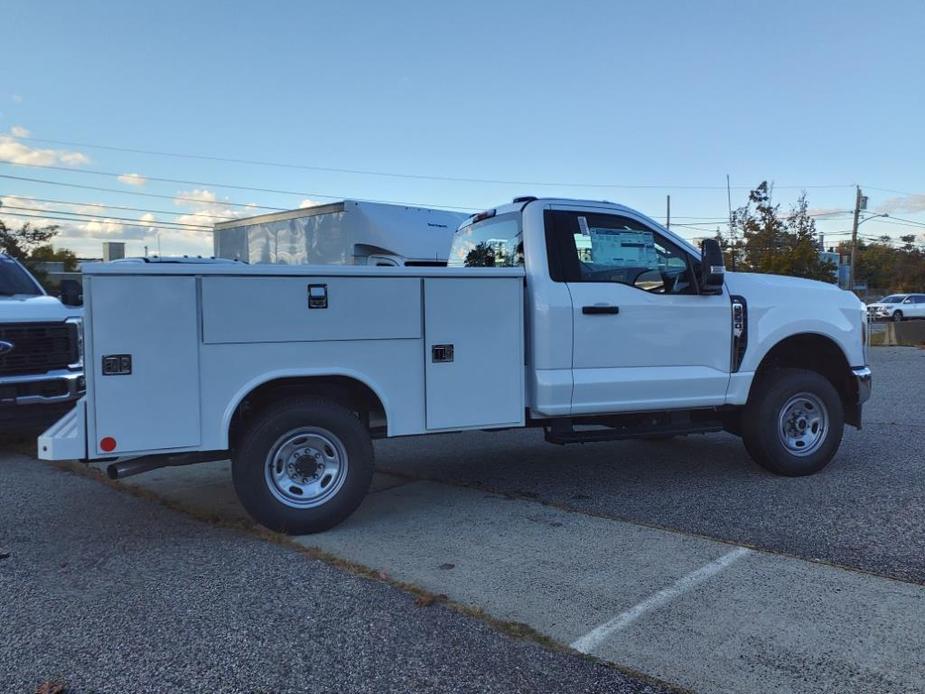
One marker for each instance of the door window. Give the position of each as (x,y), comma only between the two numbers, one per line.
(587,247)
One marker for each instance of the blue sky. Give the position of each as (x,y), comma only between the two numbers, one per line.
(668,96)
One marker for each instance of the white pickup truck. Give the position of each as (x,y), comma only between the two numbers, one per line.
(585,319)
(41,375)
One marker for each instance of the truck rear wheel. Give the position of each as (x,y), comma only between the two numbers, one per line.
(793,422)
(303,465)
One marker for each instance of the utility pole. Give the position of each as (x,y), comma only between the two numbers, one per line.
(668,218)
(732,236)
(854,238)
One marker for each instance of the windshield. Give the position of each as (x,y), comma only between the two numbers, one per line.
(493,242)
(893,299)
(15,280)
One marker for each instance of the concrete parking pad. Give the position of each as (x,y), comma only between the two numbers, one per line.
(104,592)
(705,615)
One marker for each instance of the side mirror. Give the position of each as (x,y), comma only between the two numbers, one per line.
(71,293)
(712,267)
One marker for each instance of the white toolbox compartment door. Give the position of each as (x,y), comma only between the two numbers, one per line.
(153,320)
(474,352)
(277,309)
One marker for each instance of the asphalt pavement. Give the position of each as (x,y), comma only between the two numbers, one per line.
(108,592)
(866,510)
(681,559)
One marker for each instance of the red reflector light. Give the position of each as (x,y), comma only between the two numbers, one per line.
(107,444)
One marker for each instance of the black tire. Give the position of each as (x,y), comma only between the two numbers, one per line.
(318,425)
(764,434)
(897,316)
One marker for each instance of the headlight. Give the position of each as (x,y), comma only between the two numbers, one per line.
(77,325)
(865,337)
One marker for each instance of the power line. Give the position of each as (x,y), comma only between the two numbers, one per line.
(391,174)
(95,217)
(902,222)
(154,225)
(29,198)
(137,192)
(890,190)
(180,181)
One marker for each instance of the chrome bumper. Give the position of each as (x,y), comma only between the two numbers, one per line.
(73,381)
(863,376)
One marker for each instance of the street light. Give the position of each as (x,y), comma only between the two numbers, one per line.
(873,216)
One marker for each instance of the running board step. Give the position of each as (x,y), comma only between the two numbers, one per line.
(563,433)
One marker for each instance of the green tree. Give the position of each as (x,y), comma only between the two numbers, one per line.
(766,242)
(887,268)
(775,244)
(20,243)
(47,254)
(803,251)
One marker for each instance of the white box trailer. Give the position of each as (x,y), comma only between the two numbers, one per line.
(351,232)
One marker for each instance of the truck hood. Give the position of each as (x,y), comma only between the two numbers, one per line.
(27,308)
(750,284)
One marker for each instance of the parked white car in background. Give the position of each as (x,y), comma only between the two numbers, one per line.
(898,307)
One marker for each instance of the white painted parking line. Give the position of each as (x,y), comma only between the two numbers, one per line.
(594,638)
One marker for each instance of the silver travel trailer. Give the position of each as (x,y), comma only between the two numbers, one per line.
(351,232)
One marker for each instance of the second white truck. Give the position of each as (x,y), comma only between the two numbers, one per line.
(586,319)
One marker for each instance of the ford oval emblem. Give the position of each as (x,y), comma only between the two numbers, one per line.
(6,347)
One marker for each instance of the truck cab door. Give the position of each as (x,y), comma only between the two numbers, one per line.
(644,338)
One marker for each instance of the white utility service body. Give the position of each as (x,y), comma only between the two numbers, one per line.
(599,324)
(203,336)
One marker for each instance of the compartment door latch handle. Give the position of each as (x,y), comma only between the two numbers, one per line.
(317,296)
(441,354)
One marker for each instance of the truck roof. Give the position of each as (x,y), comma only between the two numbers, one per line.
(518,204)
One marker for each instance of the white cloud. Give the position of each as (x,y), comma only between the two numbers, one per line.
(132,179)
(308,202)
(85,237)
(906,203)
(16,152)
(194,197)
(19,131)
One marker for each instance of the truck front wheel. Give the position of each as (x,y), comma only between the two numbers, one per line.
(303,465)
(793,422)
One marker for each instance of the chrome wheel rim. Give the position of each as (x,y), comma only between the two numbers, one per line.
(803,424)
(306,467)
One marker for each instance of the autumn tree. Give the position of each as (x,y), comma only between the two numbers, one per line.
(803,251)
(775,244)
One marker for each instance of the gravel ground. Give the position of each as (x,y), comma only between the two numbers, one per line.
(136,597)
(865,510)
